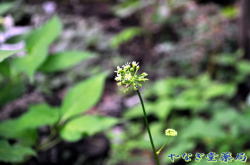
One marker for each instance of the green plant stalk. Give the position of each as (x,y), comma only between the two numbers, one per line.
(49,144)
(148,129)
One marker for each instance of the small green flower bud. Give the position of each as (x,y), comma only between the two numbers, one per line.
(170,132)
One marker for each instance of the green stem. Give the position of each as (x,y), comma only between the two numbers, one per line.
(49,144)
(148,129)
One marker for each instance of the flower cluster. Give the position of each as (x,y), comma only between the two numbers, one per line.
(127,76)
(170,132)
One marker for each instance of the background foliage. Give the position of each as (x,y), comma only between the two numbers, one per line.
(60,104)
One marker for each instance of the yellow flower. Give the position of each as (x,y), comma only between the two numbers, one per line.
(170,132)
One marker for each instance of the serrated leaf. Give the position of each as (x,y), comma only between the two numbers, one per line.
(37,45)
(89,125)
(83,96)
(64,60)
(4,54)
(14,153)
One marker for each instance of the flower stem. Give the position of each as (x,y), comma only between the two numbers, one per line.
(148,129)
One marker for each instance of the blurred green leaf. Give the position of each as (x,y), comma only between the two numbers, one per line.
(230,12)
(125,36)
(226,59)
(45,35)
(160,108)
(190,99)
(37,47)
(231,116)
(83,96)
(219,89)
(14,153)
(11,90)
(37,116)
(5,7)
(158,133)
(89,125)
(243,67)
(43,115)
(30,62)
(163,108)
(136,111)
(207,130)
(7,53)
(126,8)
(64,60)
(5,69)
(11,130)
(168,86)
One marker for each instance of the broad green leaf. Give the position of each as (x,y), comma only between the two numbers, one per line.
(14,153)
(163,108)
(31,62)
(4,7)
(7,53)
(231,116)
(37,116)
(125,36)
(5,69)
(243,67)
(206,130)
(45,35)
(43,115)
(28,137)
(83,96)
(11,90)
(38,43)
(217,89)
(10,128)
(64,60)
(89,125)
(189,99)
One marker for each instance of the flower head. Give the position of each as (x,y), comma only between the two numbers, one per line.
(127,76)
(170,132)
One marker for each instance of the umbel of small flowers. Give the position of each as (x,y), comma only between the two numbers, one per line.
(127,76)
